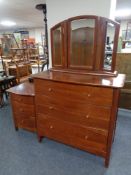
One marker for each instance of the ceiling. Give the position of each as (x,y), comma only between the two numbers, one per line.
(25,15)
(22,12)
(123,4)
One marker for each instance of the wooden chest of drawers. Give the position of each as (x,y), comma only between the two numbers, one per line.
(23,107)
(74,112)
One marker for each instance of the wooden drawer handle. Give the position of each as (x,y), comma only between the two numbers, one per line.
(89,95)
(86,137)
(51,127)
(51,107)
(87,116)
(50,89)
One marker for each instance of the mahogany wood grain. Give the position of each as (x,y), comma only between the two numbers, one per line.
(77,93)
(22,98)
(93,119)
(77,100)
(22,101)
(23,89)
(72,134)
(73,78)
(79,110)
(112,125)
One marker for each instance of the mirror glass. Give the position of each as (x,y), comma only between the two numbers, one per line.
(57,46)
(82,43)
(109,45)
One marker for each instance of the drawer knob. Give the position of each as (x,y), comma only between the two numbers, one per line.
(51,127)
(87,116)
(86,137)
(51,107)
(50,89)
(89,95)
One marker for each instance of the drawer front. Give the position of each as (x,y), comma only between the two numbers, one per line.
(24,109)
(25,122)
(23,99)
(71,134)
(72,106)
(92,116)
(79,93)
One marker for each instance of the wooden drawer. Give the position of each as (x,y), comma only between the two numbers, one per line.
(72,134)
(25,122)
(23,99)
(20,108)
(91,116)
(79,93)
(70,105)
(24,112)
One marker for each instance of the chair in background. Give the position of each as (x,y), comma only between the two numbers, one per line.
(6,82)
(123,65)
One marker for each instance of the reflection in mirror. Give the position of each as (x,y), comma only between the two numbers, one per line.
(82,42)
(57,46)
(110,34)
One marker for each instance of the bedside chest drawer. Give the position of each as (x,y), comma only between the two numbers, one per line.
(23,99)
(24,112)
(25,122)
(24,109)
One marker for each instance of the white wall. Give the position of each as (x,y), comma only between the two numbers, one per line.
(59,10)
(36,33)
(123,26)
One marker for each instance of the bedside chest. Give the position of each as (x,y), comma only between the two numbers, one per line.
(22,101)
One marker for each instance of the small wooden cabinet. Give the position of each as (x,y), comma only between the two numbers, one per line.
(23,107)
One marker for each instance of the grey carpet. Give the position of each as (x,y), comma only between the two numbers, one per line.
(21,154)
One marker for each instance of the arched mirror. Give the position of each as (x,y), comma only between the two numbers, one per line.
(81,43)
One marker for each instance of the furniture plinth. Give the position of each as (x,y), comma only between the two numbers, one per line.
(22,101)
(78,110)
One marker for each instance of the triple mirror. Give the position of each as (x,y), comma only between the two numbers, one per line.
(85,43)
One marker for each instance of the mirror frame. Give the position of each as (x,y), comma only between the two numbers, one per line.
(63,27)
(99,47)
(94,42)
(114,51)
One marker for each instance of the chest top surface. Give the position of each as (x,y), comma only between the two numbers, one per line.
(23,89)
(93,80)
